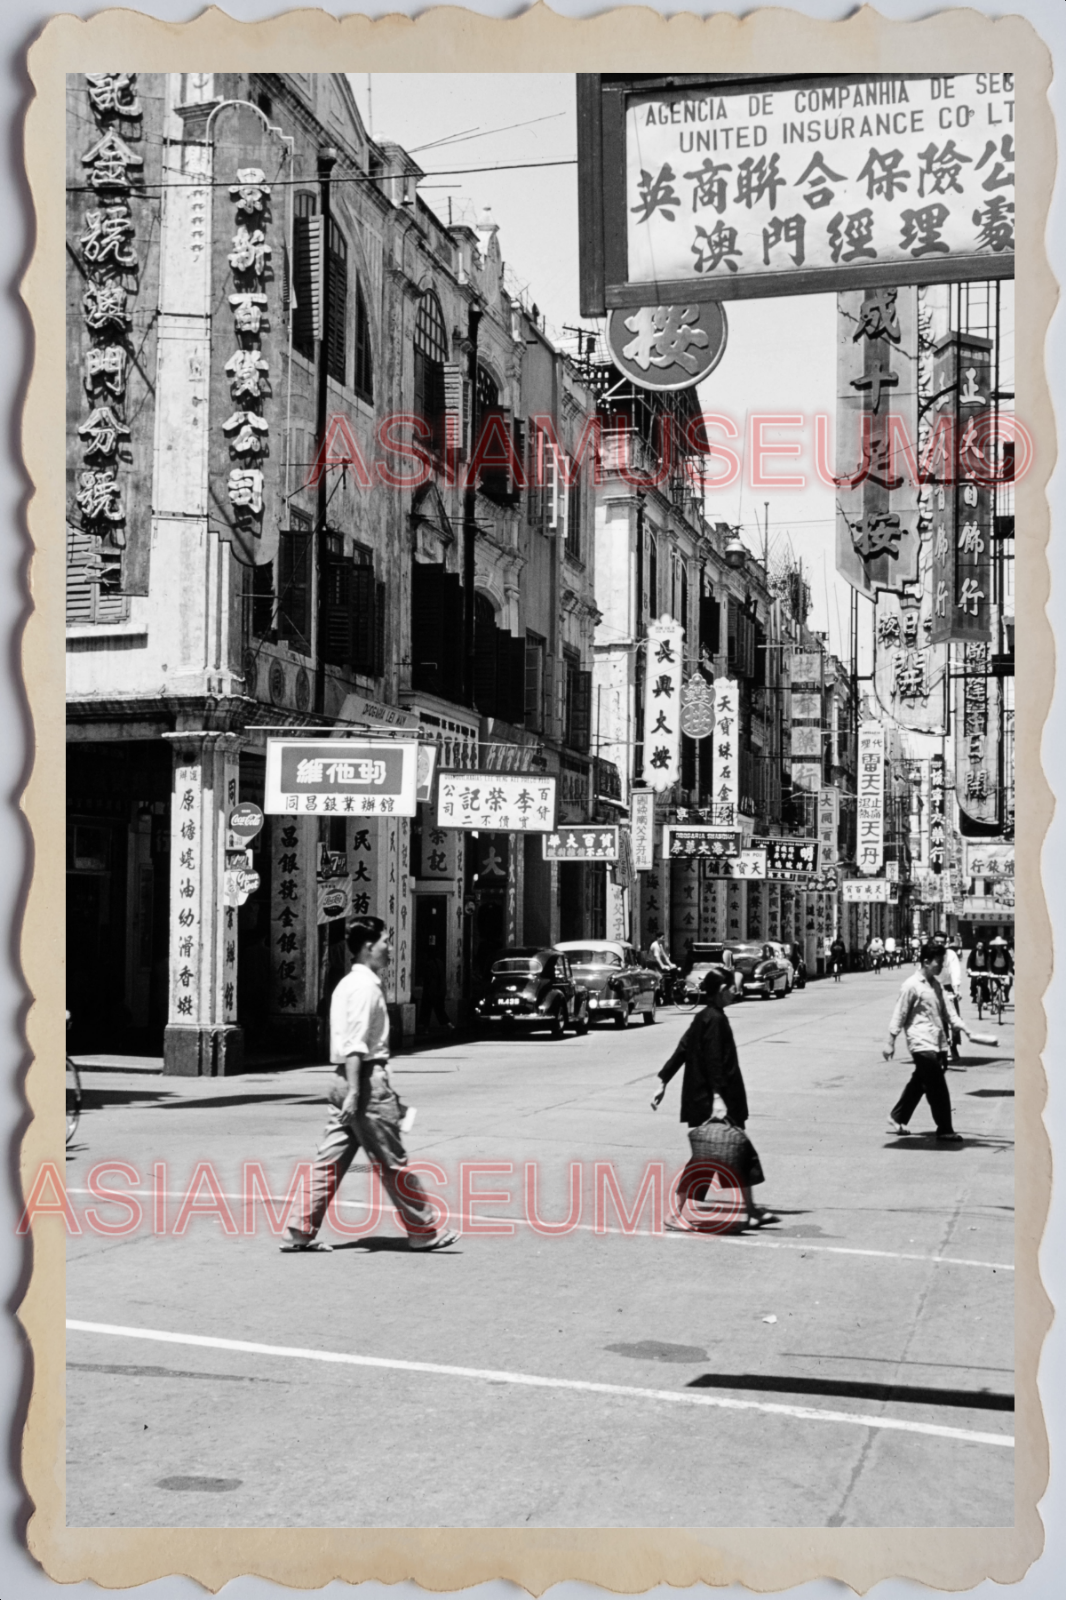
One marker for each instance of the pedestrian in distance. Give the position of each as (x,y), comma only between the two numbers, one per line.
(921,1014)
(366,1111)
(838,955)
(434,991)
(951,983)
(708,1053)
(877,952)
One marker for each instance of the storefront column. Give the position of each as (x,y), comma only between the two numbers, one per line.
(736,903)
(293,845)
(202,1038)
(756,919)
(684,905)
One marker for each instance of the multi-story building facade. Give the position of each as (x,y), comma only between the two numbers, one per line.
(283,517)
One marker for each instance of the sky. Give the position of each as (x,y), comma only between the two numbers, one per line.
(780,356)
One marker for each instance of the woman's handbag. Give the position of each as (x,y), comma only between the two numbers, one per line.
(721,1143)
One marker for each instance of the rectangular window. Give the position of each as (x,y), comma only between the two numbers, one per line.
(258,600)
(578,703)
(535,649)
(94,576)
(573,519)
(294,582)
(306,270)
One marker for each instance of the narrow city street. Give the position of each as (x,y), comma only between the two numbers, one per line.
(850,1365)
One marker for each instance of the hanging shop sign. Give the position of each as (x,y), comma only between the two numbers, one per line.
(496,801)
(828,824)
(667,347)
(870,847)
(807,775)
(642,829)
(582,844)
(246,820)
(989,860)
(877,405)
(334,885)
(977,719)
(705,844)
(662,703)
(749,864)
(341,777)
(866,891)
(806,741)
(961,556)
(788,860)
(439,854)
(697,707)
(805,667)
(937,814)
(724,187)
(726,766)
(910,674)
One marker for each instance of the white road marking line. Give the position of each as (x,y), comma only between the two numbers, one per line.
(531,1381)
(747,1242)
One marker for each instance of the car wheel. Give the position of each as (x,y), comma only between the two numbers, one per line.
(558,1024)
(649,1016)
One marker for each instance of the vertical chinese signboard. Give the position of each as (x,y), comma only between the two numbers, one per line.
(877,401)
(726,750)
(662,703)
(805,673)
(977,717)
(937,814)
(828,823)
(870,846)
(961,556)
(642,824)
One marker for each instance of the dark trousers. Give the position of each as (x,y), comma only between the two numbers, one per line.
(927,1079)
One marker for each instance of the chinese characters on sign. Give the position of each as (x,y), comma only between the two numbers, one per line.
(869,847)
(701,843)
(937,814)
(977,715)
(789,860)
(340,777)
(877,393)
(726,767)
(869,891)
(597,843)
(186,864)
(642,826)
(667,347)
(828,823)
(496,801)
(662,703)
(749,864)
(247,430)
(906,173)
(961,558)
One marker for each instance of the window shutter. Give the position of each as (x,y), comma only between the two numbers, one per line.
(485,632)
(306,279)
(534,693)
(731,634)
(709,624)
(293,611)
(79,583)
(338,620)
(380,591)
(363,623)
(336,349)
(363,379)
(497,478)
(581,711)
(551,485)
(455,408)
(427,628)
(517,707)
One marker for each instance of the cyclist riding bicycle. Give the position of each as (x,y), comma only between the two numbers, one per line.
(1001,962)
(977,967)
(661,957)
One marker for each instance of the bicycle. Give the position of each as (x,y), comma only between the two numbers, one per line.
(997,995)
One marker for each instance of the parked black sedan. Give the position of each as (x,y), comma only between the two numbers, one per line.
(763,971)
(534,987)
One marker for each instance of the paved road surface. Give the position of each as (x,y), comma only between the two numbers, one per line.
(851,1366)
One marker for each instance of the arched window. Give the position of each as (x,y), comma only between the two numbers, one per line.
(431,352)
(363,379)
(337,268)
(488,392)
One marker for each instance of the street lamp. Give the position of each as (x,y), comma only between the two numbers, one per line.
(736,553)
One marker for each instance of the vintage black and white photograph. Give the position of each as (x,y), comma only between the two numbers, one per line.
(540,799)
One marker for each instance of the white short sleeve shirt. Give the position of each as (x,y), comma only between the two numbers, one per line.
(358,1017)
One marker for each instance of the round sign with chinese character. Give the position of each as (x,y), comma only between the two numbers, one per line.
(697,707)
(667,347)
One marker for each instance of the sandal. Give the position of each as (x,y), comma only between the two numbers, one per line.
(760,1218)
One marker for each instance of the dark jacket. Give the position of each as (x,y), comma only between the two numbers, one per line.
(708,1052)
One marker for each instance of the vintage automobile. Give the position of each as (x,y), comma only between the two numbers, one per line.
(786,955)
(618,981)
(534,987)
(761,969)
(698,962)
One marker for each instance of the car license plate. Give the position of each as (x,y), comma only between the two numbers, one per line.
(509,1000)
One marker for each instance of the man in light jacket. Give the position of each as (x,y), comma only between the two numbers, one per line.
(922,1015)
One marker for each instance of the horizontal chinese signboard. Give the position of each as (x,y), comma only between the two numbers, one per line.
(341,776)
(776,185)
(788,858)
(748,864)
(866,891)
(499,802)
(702,843)
(582,844)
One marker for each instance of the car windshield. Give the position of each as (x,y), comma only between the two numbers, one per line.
(525,965)
(595,958)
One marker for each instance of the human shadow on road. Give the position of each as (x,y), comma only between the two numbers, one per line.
(385,1245)
(927,1140)
(915,1394)
(990,1094)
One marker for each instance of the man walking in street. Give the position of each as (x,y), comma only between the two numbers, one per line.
(366,1109)
(922,1015)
